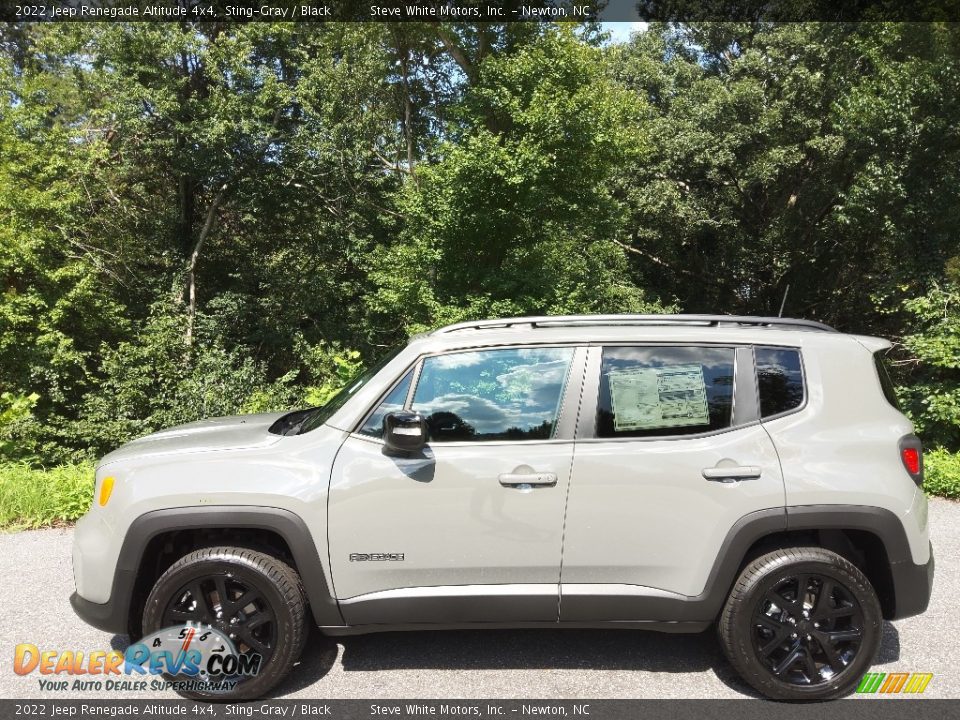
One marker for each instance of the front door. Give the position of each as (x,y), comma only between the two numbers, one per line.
(669,457)
(470,530)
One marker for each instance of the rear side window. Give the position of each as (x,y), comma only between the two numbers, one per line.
(779,380)
(886,383)
(658,391)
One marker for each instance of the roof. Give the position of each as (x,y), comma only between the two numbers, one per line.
(621,320)
(712,329)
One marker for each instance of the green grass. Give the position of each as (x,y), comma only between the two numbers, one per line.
(942,473)
(31,498)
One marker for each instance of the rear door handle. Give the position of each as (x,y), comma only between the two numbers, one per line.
(731,474)
(544,479)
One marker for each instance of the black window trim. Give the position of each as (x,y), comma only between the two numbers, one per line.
(570,399)
(803,376)
(587,425)
(887,387)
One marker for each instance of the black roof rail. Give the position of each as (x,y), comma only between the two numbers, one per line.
(701,320)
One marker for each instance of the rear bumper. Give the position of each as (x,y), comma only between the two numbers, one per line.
(912,585)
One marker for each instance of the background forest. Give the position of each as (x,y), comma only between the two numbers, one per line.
(205,219)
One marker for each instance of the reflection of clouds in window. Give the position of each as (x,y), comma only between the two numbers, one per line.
(484,415)
(538,382)
(384,408)
(779,362)
(711,359)
(457,360)
(776,368)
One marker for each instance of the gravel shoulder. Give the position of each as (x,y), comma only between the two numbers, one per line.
(37,581)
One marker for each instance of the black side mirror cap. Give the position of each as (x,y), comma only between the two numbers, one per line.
(405,431)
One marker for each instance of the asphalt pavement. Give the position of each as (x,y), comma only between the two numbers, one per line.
(37,581)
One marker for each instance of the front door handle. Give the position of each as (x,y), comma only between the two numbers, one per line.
(731,474)
(544,479)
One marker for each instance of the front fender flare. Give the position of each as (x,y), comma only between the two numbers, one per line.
(114,615)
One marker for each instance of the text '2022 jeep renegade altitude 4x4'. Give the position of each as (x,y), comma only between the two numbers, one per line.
(653,472)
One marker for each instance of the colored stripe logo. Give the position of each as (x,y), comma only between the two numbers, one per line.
(889,683)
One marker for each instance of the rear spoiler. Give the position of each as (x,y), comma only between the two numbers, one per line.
(873,344)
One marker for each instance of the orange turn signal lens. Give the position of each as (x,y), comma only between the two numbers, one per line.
(106,487)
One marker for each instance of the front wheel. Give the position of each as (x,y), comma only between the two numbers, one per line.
(238,612)
(801,624)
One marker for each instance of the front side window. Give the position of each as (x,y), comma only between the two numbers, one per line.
(504,394)
(779,380)
(662,391)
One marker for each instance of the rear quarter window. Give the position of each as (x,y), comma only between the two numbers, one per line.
(779,380)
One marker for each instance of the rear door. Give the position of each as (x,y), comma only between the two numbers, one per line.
(670,454)
(469,530)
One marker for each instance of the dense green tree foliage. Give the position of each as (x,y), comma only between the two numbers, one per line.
(202,219)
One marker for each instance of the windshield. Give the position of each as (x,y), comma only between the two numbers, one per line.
(318,416)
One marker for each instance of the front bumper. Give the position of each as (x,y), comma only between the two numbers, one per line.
(912,586)
(103,585)
(107,616)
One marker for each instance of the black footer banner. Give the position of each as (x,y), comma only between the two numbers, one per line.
(875,708)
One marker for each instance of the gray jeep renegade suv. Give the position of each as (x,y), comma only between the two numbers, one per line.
(640,472)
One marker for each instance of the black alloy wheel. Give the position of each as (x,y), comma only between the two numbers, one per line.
(232,606)
(801,623)
(808,629)
(252,599)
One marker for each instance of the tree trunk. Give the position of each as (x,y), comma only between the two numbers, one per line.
(208,224)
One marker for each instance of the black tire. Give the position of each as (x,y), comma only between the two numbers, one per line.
(811,647)
(277,603)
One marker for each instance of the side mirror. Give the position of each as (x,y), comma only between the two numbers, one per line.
(404,431)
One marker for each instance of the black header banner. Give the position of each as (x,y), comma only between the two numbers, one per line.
(496,11)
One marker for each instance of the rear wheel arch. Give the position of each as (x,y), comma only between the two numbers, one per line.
(872,538)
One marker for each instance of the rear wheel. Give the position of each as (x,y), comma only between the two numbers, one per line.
(251,599)
(801,624)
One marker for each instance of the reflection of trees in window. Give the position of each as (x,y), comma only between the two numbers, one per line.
(778,392)
(543,431)
(445,425)
(720,401)
(779,379)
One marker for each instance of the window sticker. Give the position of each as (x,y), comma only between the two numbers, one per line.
(661,397)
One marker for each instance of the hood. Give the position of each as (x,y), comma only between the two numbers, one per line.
(223,433)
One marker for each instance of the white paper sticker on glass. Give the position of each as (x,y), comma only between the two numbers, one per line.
(661,397)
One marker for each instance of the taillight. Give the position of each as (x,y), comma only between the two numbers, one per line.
(911,460)
(911,455)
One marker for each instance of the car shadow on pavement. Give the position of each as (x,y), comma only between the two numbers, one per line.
(889,645)
(529,650)
(507,649)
